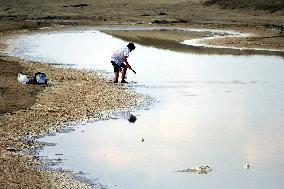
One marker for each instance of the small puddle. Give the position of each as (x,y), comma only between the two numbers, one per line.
(220,111)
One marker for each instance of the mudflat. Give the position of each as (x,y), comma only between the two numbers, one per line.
(78,95)
(264,18)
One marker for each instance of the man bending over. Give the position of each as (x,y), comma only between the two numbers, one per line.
(119,61)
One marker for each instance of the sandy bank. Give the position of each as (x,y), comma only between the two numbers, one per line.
(71,95)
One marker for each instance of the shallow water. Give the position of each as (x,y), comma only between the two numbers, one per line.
(221,111)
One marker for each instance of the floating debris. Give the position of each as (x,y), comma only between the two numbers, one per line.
(202,169)
(246,166)
(142,140)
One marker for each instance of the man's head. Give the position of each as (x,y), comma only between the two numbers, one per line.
(131,46)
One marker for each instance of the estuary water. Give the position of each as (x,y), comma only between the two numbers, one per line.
(223,111)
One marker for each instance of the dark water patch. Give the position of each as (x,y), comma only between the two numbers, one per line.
(179,21)
(178,47)
(80,5)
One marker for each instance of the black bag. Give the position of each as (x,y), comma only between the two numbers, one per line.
(40,78)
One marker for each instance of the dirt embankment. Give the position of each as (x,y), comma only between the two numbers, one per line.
(23,95)
(265,18)
(71,95)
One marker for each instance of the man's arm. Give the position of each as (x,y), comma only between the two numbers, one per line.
(126,62)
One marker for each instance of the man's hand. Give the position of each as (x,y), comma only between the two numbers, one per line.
(128,65)
(126,62)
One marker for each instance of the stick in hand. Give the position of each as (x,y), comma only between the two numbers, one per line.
(133,70)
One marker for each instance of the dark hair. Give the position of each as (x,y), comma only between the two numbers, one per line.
(131,46)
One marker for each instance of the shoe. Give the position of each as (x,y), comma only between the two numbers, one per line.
(123,81)
(115,82)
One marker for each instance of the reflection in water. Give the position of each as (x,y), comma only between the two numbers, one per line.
(130,117)
(193,45)
(222,111)
(179,47)
(262,147)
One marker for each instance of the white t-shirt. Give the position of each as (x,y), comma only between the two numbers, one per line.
(118,56)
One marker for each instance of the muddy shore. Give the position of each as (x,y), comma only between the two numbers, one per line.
(263,18)
(74,95)
(29,110)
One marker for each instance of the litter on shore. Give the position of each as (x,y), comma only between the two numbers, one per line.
(39,78)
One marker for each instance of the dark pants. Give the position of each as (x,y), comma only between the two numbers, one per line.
(116,67)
